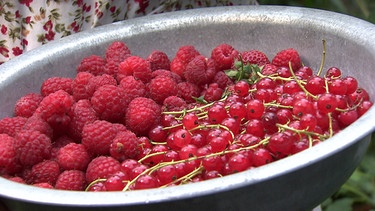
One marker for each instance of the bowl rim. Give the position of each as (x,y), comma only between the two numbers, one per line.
(277,13)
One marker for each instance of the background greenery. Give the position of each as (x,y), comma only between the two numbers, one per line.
(358,193)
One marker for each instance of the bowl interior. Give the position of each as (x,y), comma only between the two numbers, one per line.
(266,28)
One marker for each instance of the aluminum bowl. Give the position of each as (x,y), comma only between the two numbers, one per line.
(299,182)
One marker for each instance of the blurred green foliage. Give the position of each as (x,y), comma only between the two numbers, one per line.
(358,193)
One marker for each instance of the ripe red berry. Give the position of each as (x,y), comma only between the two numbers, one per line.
(97,137)
(71,180)
(285,56)
(142,115)
(102,167)
(73,156)
(255,57)
(223,56)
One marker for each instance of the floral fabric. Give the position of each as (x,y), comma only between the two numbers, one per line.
(27,24)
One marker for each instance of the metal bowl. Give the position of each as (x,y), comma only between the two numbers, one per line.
(298,182)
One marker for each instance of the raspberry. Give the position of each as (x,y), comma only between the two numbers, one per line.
(135,66)
(27,104)
(163,72)
(102,167)
(54,84)
(8,159)
(17,179)
(283,58)
(79,86)
(213,93)
(178,67)
(98,136)
(159,60)
(269,69)
(222,79)
(186,53)
(73,156)
(93,64)
(124,146)
(11,125)
(35,122)
(174,103)
(32,147)
(71,180)
(183,56)
(117,51)
(97,81)
(57,103)
(200,70)
(255,57)
(223,56)
(44,172)
(55,109)
(59,143)
(82,113)
(109,102)
(162,87)
(43,185)
(142,115)
(133,88)
(187,91)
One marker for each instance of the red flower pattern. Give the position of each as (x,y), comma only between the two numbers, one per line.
(29,16)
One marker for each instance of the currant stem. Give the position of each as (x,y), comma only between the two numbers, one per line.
(323,58)
(94,182)
(299,82)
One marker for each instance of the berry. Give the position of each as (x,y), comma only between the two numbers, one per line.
(188,91)
(97,81)
(133,88)
(27,104)
(32,147)
(117,51)
(11,125)
(255,57)
(162,87)
(255,109)
(102,167)
(223,56)
(97,137)
(54,84)
(159,60)
(200,70)
(173,103)
(44,172)
(181,138)
(80,86)
(222,79)
(82,114)
(285,56)
(183,56)
(124,146)
(74,180)
(55,109)
(93,64)
(135,66)
(142,115)
(8,158)
(73,156)
(327,103)
(109,102)
(213,93)
(241,88)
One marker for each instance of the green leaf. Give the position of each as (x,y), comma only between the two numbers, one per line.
(344,204)
(200,99)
